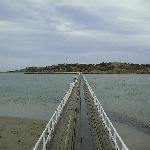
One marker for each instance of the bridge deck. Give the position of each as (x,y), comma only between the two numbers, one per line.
(67,134)
(100,134)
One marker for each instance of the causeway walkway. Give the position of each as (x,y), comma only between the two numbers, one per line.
(99,133)
(79,126)
(67,131)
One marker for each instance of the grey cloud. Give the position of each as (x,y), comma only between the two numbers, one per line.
(106,19)
(34,37)
(79,15)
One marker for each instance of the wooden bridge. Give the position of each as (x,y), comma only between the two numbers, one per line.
(80,123)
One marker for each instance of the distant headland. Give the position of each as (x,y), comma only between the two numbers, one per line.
(101,68)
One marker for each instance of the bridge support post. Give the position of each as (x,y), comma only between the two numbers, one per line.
(44,145)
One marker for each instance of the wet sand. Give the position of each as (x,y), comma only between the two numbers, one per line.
(134,138)
(19,133)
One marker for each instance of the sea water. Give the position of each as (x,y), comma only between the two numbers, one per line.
(125,98)
(32,95)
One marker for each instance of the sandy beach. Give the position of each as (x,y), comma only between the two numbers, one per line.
(19,133)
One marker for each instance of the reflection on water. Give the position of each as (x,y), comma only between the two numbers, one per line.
(126,99)
(32,95)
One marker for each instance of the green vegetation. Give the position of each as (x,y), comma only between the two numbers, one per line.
(101,68)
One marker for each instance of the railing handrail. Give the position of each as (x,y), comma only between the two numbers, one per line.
(113,135)
(53,120)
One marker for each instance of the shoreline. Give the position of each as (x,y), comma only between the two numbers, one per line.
(19,133)
(91,73)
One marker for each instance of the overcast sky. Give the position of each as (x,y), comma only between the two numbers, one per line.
(46,32)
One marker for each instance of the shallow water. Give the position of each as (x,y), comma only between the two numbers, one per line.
(126,99)
(32,95)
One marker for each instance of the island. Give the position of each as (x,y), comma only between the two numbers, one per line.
(101,68)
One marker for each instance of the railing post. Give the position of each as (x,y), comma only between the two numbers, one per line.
(58,111)
(44,146)
(102,116)
(49,132)
(123,148)
(105,119)
(53,124)
(56,116)
(99,110)
(109,127)
(35,148)
(115,139)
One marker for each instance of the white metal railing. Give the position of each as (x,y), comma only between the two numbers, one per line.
(47,133)
(119,144)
